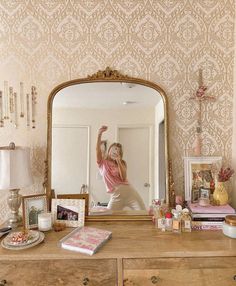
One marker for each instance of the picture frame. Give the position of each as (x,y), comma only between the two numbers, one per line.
(32,206)
(77,196)
(69,211)
(199,172)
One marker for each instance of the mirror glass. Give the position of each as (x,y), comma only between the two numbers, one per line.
(135,116)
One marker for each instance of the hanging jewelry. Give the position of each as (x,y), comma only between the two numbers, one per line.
(27,110)
(33,94)
(6,101)
(15,110)
(1,111)
(11,102)
(22,112)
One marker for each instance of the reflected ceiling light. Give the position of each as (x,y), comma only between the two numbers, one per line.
(129,102)
(128,84)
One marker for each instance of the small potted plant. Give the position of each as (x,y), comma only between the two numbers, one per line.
(220,194)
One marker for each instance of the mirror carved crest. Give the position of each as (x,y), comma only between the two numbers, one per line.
(107,74)
(130,99)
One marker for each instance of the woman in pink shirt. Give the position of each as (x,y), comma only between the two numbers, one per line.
(113,170)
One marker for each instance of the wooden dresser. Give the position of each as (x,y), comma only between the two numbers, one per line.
(136,255)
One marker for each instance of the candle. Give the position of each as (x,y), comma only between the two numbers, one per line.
(45,221)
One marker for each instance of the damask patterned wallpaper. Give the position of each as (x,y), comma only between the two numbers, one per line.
(46,42)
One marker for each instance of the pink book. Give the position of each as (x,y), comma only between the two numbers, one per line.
(85,239)
(195,208)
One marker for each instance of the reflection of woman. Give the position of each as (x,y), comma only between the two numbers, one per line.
(113,170)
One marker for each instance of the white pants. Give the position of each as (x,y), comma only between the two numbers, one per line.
(125,196)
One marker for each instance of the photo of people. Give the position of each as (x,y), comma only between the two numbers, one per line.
(67,213)
(32,206)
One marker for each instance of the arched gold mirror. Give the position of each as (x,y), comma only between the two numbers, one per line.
(135,112)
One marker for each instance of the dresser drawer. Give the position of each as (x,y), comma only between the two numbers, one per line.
(89,272)
(180,271)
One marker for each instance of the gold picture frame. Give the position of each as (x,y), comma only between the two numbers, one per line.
(32,206)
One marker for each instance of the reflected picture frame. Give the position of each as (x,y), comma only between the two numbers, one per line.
(213,165)
(71,212)
(32,206)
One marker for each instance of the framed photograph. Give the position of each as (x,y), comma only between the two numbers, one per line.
(204,193)
(69,211)
(76,196)
(32,206)
(200,173)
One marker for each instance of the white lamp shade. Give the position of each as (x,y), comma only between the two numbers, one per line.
(15,171)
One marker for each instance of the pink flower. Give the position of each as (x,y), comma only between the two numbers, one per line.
(225,174)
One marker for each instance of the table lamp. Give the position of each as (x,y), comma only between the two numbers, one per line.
(15,173)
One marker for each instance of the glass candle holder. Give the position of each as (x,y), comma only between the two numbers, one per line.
(44,221)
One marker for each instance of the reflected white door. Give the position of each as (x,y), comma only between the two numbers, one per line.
(137,149)
(70,158)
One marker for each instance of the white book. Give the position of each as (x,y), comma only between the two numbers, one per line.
(85,239)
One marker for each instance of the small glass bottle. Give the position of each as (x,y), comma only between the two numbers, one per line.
(176,224)
(186,221)
(168,222)
(159,218)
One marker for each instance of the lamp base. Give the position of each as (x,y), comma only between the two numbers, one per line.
(14,202)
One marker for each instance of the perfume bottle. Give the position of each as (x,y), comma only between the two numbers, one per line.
(159,218)
(186,221)
(176,223)
(168,221)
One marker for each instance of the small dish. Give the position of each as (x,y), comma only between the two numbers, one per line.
(21,238)
(22,247)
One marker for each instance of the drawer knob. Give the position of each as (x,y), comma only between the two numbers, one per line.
(234,277)
(3,282)
(85,281)
(155,279)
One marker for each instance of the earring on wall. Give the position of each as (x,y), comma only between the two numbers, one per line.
(33,94)
(22,111)
(11,102)
(6,101)
(1,111)
(12,105)
(15,110)
(27,110)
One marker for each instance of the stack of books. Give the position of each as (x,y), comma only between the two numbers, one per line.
(85,239)
(210,217)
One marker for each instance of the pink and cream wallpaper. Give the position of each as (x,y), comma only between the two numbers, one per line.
(46,42)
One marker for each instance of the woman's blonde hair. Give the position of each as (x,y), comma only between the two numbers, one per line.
(117,145)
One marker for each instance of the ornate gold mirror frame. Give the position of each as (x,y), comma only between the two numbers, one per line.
(108,75)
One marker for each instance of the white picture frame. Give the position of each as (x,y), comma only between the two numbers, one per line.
(69,211)
(190,163)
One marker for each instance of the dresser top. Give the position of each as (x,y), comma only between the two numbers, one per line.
(132,240)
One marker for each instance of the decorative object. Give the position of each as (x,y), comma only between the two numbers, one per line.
(32,206)
(15,173)
(76,196)
(229,226)
(22,109)
(220,194)
(200,96)
(33,101)
(172,196)
(199,172)
(44,221)
(5,243)
(9,99)
(70,211)
(112,79)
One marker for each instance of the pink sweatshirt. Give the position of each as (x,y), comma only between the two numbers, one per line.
(111,176)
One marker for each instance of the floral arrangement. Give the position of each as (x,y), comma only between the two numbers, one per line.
(225,174)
